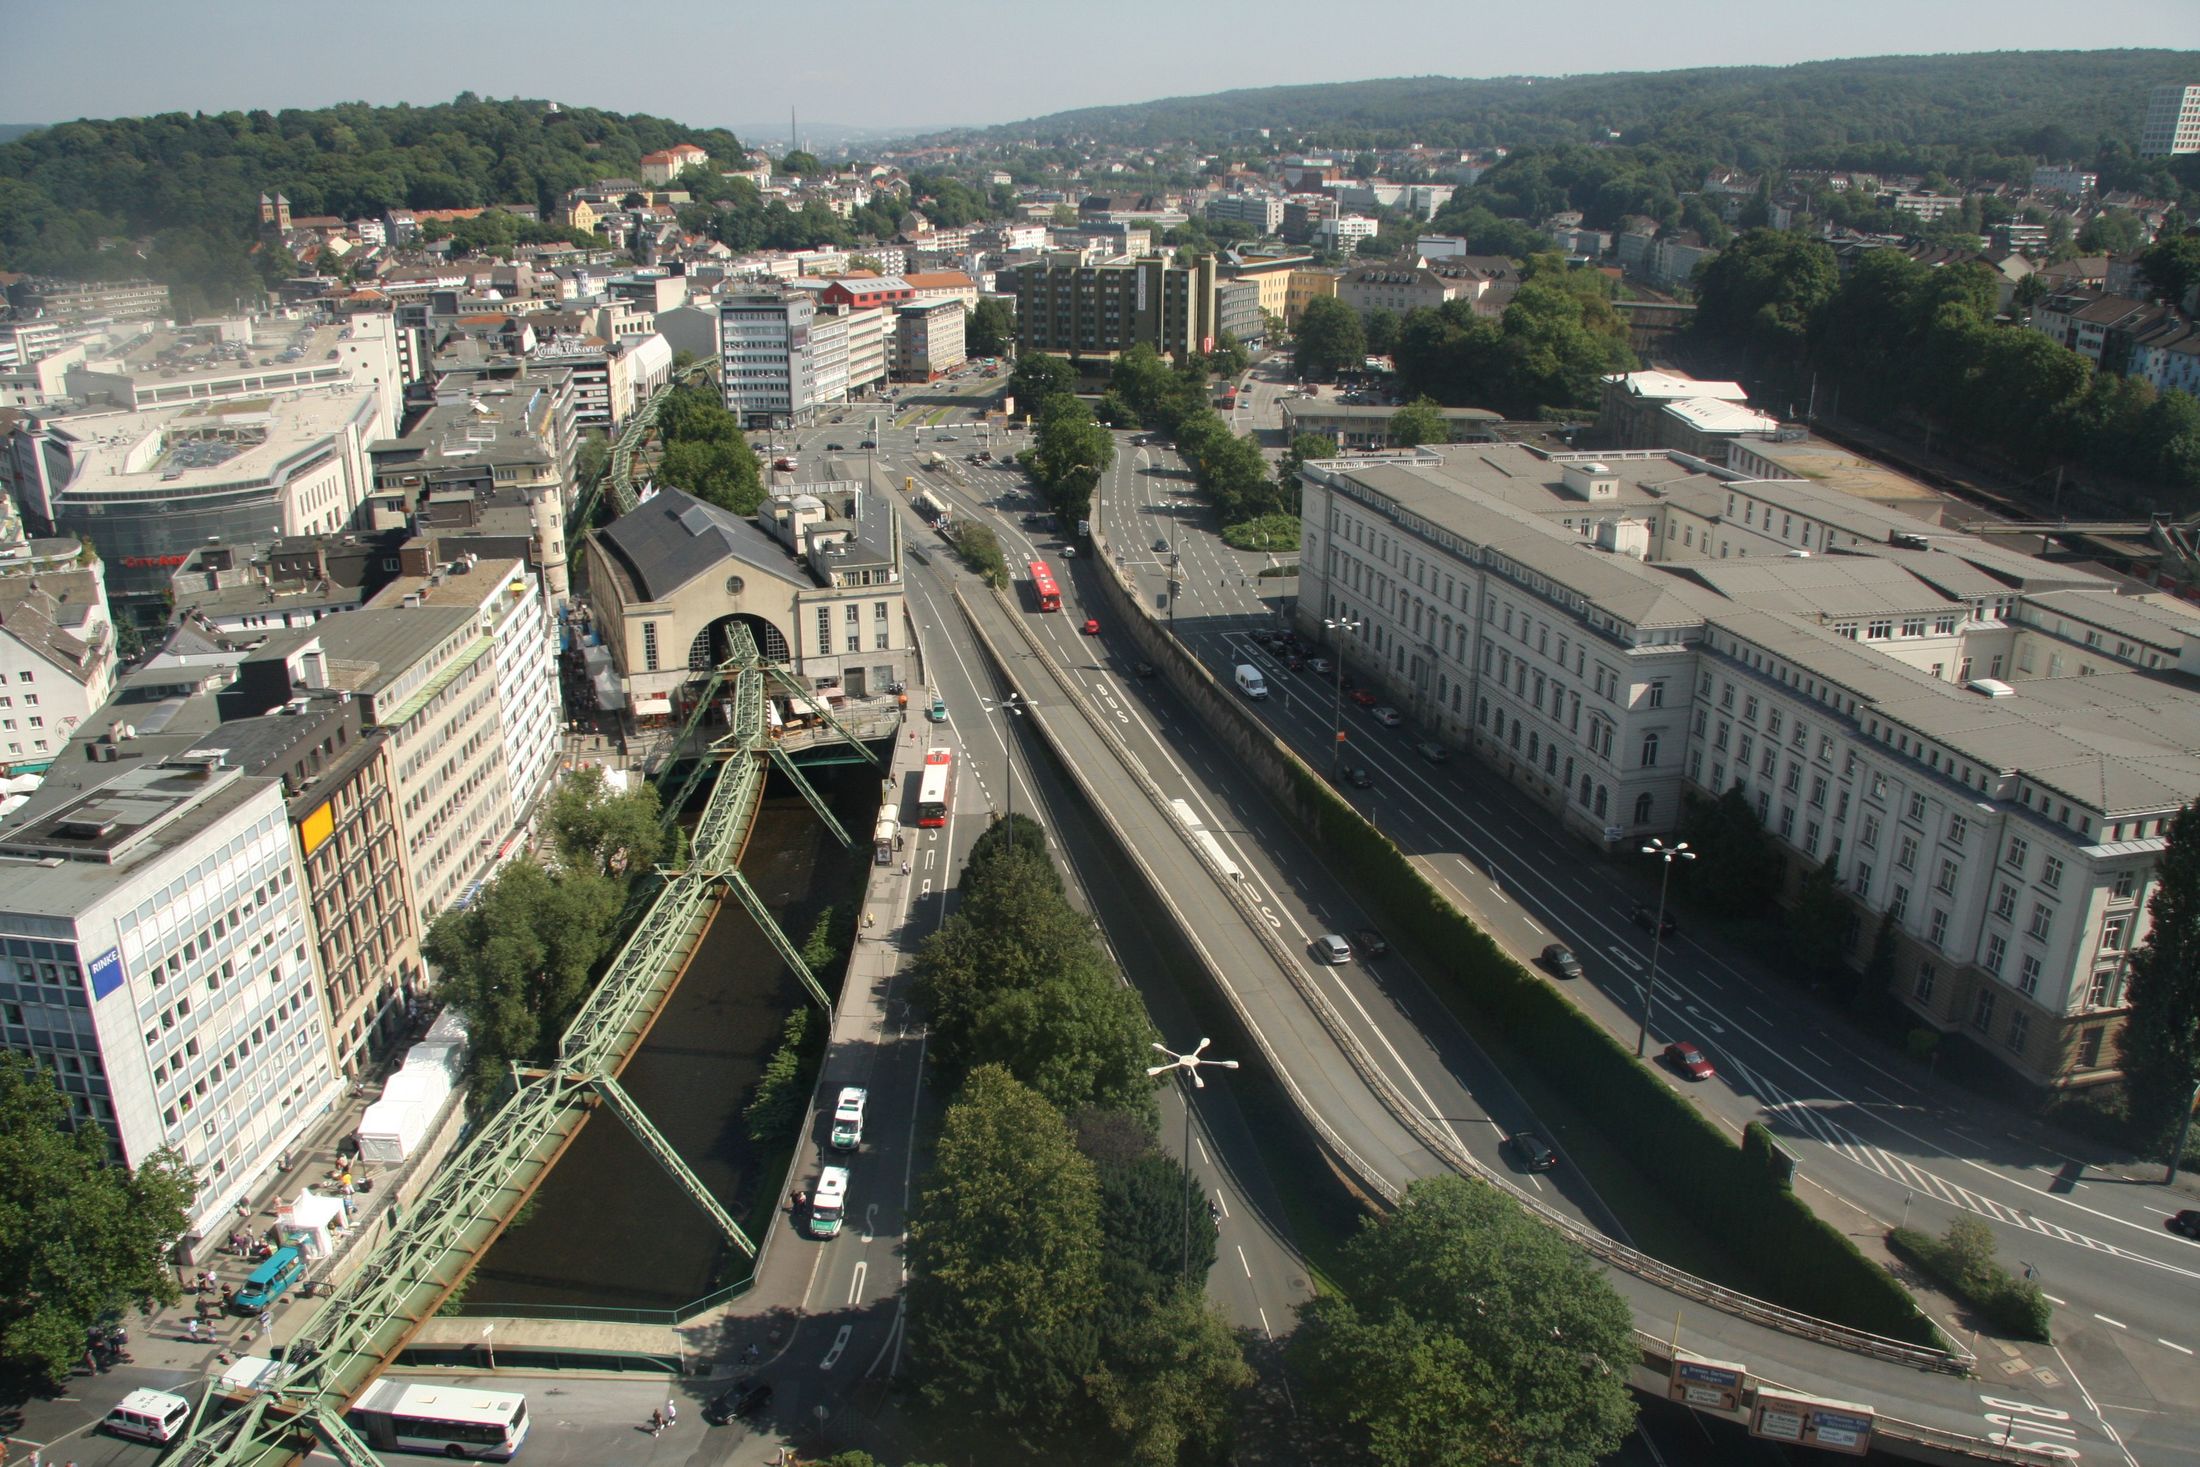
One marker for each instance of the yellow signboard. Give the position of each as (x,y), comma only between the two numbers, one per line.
(317,828)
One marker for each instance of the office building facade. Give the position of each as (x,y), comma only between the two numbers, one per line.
(1986,748)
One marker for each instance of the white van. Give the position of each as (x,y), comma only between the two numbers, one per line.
(829,1204)
(1250,682)
(848,1118)
(149,1416)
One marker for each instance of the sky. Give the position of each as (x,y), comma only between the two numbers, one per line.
(911,65)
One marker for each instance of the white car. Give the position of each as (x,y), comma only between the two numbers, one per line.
(1388,716)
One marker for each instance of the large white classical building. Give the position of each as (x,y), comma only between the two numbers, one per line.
(1986,745)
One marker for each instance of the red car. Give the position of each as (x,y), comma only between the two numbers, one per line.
(1092,626)
(1689,1060)
(1365,697)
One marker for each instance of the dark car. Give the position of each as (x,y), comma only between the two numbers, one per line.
(868,443)
(746,1399)
(836,448)
(1534,1153)
(1647,920)
(1689,1060)
(1142,669)
(1371,942)
(1161,545)
(2186,1222)
(1432,751)
(1357,776)
(1560,959)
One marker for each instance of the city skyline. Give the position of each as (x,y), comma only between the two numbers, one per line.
(711,68)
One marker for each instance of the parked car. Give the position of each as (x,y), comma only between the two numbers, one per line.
(1560,959)
(1092,626)
(1321,665)
(1432,751)
(1388,716)
(1689,1060)
(1534,1153)
(2185,1220)
(1142,669)
(1331,948)
(1371,942)
(1365,697)
(1647,919)
(746,1399)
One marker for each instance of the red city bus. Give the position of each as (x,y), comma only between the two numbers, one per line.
(1042,586)
(936,790)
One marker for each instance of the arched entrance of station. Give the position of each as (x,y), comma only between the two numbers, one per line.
(712,644)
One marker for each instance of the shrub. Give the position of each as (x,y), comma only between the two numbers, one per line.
(1802,1262)
(1962,1259)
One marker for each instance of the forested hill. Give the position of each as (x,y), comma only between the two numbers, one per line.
(177,195)
(2061,104)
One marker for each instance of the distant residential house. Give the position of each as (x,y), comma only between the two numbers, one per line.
(669,163)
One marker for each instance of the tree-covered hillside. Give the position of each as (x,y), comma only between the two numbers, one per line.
(2055,103)
(177,196)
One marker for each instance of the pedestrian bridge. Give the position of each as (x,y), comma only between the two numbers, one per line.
(360,1328)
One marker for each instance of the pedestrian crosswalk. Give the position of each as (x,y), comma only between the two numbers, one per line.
(1811,1120)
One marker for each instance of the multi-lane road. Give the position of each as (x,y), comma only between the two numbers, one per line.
(1875,1140)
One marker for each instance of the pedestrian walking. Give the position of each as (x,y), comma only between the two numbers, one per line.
(267,1323)
(191,1329)
(656,1422)
(672,1413)
(905,868)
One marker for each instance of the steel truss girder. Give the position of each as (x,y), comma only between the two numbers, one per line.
(662,1152)
(809,793)
(746,895)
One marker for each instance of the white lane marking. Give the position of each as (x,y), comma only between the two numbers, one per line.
(1264,1329)
(2119,1324)
(1243,1264)
(2180,1349)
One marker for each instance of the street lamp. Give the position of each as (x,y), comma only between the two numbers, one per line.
(1188,1065)
(1010,707)
(1340,625)
(1667,854)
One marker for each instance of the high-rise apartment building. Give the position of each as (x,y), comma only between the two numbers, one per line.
(2172,126)
(1095,312)
(781,357)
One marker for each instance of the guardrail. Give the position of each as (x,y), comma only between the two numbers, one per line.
(1369,1177)
(1952,1361)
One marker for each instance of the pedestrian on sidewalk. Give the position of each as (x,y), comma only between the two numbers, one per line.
(656,1422)
(191,1329)
(672,1413)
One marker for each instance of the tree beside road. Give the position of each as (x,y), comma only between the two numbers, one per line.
(82,1237)
(1467,1332)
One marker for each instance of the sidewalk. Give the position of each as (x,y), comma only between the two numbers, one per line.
(751,1329)
(160,1339)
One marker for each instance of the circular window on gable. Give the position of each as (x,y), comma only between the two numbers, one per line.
(733,585)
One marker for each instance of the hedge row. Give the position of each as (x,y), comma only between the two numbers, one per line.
(2013,1306)
(1801,1263)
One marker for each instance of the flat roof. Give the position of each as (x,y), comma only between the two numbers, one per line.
(176,450)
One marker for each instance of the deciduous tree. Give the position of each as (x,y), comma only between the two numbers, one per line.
(597,828)
(1419,421)
(1469,1333)
(2160,1046)
(1004,1259)
(1330,340)
(81,1236)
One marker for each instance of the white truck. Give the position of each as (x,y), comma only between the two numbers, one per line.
(1250,682)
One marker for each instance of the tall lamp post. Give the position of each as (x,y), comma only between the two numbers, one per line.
(1339,625)
(1667,854)
(1010,708)
(1188,1066)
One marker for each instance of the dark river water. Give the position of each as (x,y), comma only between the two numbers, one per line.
(608,1229)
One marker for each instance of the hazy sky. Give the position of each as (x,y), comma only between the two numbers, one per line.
(922,63)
